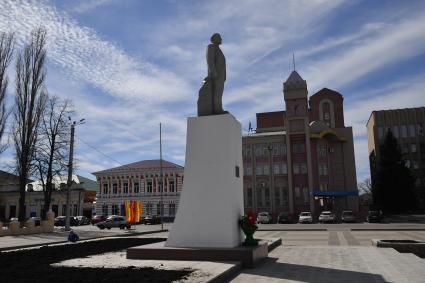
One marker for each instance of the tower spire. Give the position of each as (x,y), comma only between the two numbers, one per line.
(293,60)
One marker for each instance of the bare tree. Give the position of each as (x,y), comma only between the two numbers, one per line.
(29,106)
(365,187)
(52,147)
(6,51)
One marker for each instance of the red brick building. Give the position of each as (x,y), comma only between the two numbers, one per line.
(302,158)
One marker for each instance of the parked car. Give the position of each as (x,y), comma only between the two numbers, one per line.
(61,221)
(37,220)
(305,217)
(284,218)
(327,217)
(151,219)
(348,216)
(83,220)
(264,218)
(13,219)
(114,221)
(97,219)
(374,216)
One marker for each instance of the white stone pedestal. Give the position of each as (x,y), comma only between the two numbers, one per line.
(211,202)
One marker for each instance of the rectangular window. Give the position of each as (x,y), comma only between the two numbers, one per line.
(115,209)
(158,209)
(306,195)
(323,169)
(259,170)
(249,194)
(149,208)
(407,163)
(247,152)
(171,185)
(267,195)
(258,150)
(321,150)
(413,148)
(412,131)
(303,168)
(403,130)
(284,168)
(136,187)
(420,130)
(105,209)
(415,164)
(276,169)
(266,170)
(172,209)
(149,186)
(380,132)
(125,185)
(404,148)
(247,170)
(297,192)
(296,168)
(115,188)
(298,148)
(394,129)
(105,188)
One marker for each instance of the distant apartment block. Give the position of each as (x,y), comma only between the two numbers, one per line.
(407,126)
(301,158)
(140,181)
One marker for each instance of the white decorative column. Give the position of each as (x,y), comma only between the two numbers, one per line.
(211,201)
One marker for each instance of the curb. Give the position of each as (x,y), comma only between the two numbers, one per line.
(387,229)
(227,275)
(85,239)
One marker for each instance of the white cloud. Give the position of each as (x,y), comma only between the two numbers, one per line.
(85,56)
(89,5)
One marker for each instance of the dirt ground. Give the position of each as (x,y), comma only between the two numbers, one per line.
(33,265)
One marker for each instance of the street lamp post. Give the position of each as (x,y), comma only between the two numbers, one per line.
(69,181)
(161,177)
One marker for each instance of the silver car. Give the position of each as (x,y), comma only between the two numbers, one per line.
(348,216)
(114,221)
(264,218)
(327,217)
(305,217)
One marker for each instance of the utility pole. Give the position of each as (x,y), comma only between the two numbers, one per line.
(69,182)
(160,173)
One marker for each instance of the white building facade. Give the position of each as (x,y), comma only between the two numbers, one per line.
(140,181)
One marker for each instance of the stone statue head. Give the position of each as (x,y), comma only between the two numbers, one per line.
(216,38)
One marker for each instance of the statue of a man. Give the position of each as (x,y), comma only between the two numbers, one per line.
(216,71)
(211,92)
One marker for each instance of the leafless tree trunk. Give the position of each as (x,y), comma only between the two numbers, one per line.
(6,51)
(52,148)
(29,106)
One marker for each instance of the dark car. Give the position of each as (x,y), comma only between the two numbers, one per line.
(97,219)
(114,221)
(83,220)
(284,218)
(61,221)
(374,216)
(151,219)
(348,216)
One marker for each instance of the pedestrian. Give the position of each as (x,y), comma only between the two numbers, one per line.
(73,237)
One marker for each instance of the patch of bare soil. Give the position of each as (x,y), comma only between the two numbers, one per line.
(33,265)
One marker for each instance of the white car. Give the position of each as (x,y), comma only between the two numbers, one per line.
(305,217)
(327,216)
(264,218)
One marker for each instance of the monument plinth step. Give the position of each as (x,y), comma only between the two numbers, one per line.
(249,256)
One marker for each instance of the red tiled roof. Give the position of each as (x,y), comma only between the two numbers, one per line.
(144,164)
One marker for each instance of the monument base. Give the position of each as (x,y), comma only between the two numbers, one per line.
(249,256)
(211,202)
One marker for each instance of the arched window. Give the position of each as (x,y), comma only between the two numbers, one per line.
(326,110)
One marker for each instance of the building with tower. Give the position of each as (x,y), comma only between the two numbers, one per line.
(301,158)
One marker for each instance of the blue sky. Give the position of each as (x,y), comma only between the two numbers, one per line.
(130,64)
